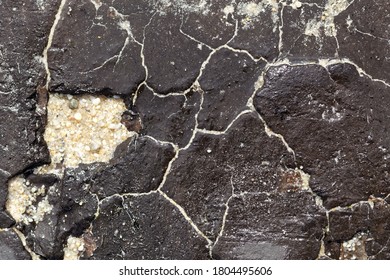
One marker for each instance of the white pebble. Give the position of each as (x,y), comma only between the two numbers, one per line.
(78,116)
(96,101)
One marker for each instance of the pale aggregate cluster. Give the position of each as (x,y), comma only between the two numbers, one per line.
(252,11)
(73,249)
(355,248)
(326,22)
(83,129)
(80,129)
(198,6)
(305,179)
(21,198)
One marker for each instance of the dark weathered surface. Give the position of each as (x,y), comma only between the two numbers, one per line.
(282,226)
(364,36)
(258,28)
(343,117)
(212,28)
(75,197)
(226,94)
(170,118)
(74,207)
(173,59)
(262,128)
(203,187)
(11,248)
(96,59)
(21,72)
(138,167)
(6,220)
(144,227)
(369,219)
(304,34)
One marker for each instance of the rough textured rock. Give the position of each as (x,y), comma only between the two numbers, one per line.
(21,72)
(173,60)
(171,118)
(73,208)
(282,226)
(226,94)
(6,220)
(259,129)
(257,31)
(363,35)
(305,35)
(11,248)
(74,198)
(103,58)
(138,167)
(214,28)
(144,227)
(369,219)
(204,194)
(342,116)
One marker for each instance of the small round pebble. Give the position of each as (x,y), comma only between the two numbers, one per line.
(78,116)
(73,104)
